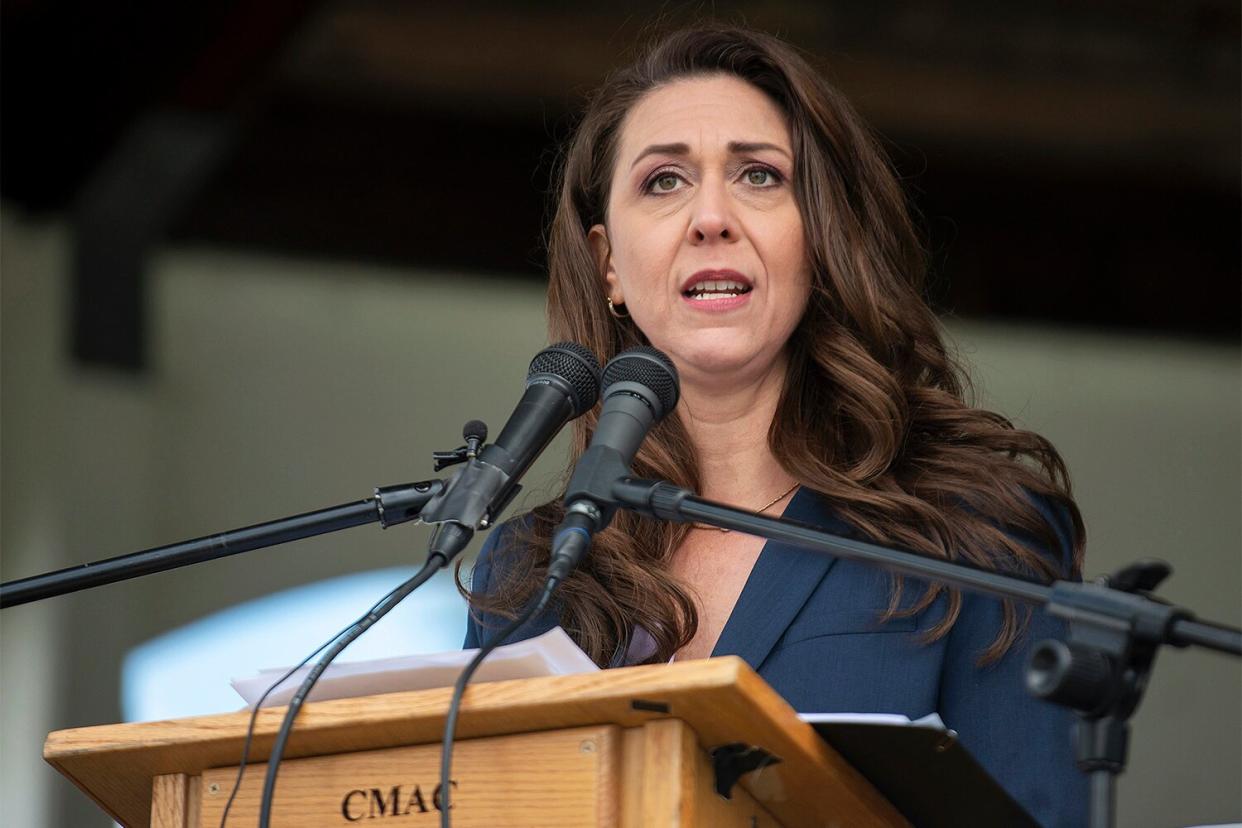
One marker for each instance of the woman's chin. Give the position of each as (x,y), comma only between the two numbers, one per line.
(726,361)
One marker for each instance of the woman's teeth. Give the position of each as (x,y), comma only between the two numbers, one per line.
(718,289)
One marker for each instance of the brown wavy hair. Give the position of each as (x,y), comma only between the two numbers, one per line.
(872,414)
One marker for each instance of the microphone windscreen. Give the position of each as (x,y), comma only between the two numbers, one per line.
(576,365)
(475,430)
(646,366)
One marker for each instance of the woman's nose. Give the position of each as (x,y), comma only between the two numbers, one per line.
(712,216)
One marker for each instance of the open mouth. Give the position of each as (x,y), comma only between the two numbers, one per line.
(716,289)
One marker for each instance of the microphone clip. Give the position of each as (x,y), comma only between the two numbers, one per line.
(598,472)
(444,459)
(475,433)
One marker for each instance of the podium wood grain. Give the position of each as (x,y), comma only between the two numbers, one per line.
(671,782)
(551,779)
(719,701)
(174,801)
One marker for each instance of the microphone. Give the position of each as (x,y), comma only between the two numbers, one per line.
(640,388)
(475,435)
(562,383)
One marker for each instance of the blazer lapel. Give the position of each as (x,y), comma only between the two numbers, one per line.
(782,580)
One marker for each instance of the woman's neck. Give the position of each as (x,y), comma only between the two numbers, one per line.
(729,425)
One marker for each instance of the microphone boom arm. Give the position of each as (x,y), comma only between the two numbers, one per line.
(1100,672)
(1067,599)
(389,506)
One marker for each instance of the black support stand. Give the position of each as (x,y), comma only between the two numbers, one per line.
(1115,625)
(389,505)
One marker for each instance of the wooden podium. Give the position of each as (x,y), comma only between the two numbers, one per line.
(630,747)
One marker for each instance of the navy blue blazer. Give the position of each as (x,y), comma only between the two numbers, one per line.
(808,624)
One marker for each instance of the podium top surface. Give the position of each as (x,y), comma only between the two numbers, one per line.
(721,699)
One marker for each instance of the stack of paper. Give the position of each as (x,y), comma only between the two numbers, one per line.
(551,654)
(931,720)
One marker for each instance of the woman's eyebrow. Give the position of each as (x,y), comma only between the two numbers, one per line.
(743,147)
(735,148)
(662,149)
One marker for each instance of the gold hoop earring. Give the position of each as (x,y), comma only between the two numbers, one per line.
(618,314)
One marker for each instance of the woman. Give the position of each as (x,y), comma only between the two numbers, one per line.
(721,202)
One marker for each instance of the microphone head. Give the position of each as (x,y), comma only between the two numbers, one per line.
(475,430)
(576,368)
(648,368)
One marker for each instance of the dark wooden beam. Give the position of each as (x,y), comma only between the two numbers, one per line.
(126,209)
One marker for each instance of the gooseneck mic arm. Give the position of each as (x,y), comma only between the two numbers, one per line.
(389,506)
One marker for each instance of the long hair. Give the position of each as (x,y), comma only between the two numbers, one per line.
(872,415)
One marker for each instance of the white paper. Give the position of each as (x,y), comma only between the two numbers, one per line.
(552,654)
(931,720)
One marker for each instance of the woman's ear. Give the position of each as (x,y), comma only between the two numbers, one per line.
(597,237)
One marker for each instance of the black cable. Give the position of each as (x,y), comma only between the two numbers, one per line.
(254,715)
(433,565)
(450,722)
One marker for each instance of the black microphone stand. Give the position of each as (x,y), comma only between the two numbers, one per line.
(389,506)
(1115,627)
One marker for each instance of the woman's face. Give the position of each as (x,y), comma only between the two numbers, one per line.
(703,242)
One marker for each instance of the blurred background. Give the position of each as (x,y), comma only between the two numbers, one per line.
(257,258)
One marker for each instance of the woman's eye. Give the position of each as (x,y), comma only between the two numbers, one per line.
(760,177)
(665,183)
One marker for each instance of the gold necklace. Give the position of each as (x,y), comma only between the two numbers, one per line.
(760,510)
